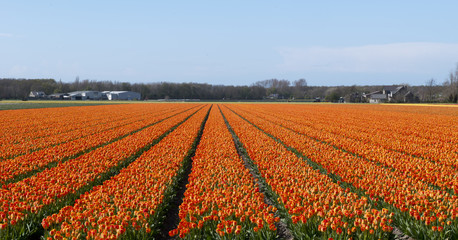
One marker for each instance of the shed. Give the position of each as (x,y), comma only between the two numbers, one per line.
(123,95)
(378,98)
(83,95)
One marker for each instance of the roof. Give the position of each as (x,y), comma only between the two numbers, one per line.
(393,89)
(378,96)
(372,93)
(79,92)
(408,93)
(117,92)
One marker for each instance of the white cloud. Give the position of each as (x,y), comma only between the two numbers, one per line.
(6,35)
(415,57)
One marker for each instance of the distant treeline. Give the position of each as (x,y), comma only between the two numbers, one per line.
(272,89)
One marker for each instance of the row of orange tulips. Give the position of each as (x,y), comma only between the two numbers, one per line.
(330,171)
(423,134)
(21,165)
(421,209)
(126,205)
(26,133)
(59,125)
(319,207)
(221,199)
(30,199)
(441,175)
(31,119)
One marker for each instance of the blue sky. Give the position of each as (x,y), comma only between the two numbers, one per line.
(230,42)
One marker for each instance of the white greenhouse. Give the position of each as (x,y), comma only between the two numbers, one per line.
(123,95)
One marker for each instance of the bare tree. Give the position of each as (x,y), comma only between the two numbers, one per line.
(300,83)
(430,85)
(451,85)
(300,87)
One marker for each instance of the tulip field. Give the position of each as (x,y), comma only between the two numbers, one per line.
(229,171)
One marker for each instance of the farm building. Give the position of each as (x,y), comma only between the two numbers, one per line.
(85,95)
(57,96)
(37,94)
(390,94)
(123,95)
(394,92)
(377,97)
